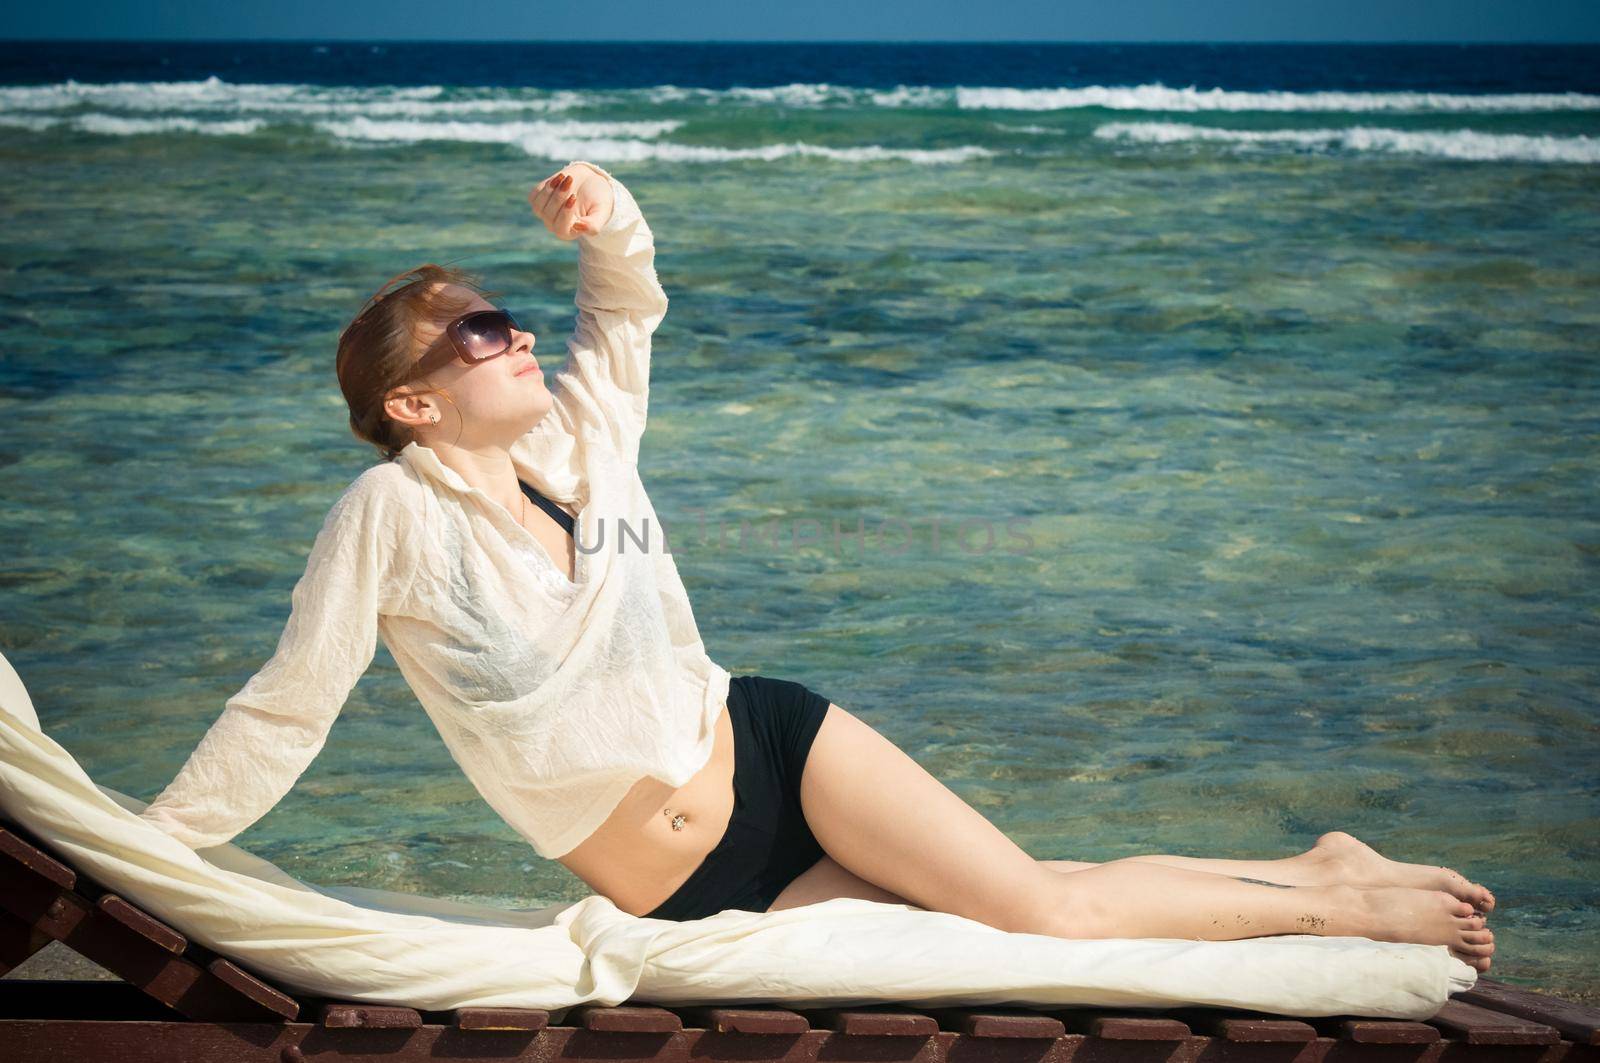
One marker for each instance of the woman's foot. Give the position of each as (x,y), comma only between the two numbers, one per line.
(1427,917)
(1341,858)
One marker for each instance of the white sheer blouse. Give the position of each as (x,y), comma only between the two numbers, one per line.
(554,695)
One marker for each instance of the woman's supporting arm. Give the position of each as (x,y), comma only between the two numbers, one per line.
(361,565)
(620,301)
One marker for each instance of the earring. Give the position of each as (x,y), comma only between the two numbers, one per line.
(436,418)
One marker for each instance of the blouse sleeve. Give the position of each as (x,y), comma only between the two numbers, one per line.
(605,384)
(360,565)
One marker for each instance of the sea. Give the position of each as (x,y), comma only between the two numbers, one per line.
(1174,449)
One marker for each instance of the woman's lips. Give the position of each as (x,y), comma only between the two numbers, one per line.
(530,369)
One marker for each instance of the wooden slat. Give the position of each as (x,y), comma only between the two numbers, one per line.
(764,1020)
(1374,1031)
(17,850)
(500,1019)
(872,1022)
(1578,1023)
(141,923)
(1245,1027)
(1480,1026)
(625,1018)
(1387,1032)
(246,985)
(1273,1031)
(998,1022)
(353,1015)
(1112,1026)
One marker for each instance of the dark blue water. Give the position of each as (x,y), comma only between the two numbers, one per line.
(622,64)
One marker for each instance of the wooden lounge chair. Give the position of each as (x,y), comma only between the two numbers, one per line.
(180,1001)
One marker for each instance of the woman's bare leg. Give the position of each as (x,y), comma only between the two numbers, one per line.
(1139,898)
(884,819)
(1290,870)
(1337,859)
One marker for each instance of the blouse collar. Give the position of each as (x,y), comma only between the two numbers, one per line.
(425,460)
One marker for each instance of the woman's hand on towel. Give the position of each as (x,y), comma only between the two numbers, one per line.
(574,201)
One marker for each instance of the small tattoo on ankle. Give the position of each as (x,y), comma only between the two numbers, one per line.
(1263,882)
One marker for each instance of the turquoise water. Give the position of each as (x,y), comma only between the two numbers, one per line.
(1301,438)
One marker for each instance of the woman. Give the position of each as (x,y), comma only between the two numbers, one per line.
(507,553)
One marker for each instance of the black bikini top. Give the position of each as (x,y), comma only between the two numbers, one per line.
(562,517)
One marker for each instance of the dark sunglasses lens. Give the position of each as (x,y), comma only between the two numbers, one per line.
(487,334)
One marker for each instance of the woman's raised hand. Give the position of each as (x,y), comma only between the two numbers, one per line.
(574,201)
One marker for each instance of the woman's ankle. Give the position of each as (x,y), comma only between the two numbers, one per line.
(1348,913)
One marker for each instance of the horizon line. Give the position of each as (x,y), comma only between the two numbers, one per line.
(502,41)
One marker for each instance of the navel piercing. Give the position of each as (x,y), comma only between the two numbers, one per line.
(677,821)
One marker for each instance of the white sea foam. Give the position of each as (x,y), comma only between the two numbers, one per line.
(1158,97)
(412,131)
(792,95)
(141,95)
(616,141)
(33,122)
(612,151)
(216,95)
(405,108)
(432,101)
(795,94)
(1036,129)
(119,126)
(366,117)
(912,96)
(1149,97)
(1446,144)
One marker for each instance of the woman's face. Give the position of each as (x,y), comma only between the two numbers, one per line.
(496,401)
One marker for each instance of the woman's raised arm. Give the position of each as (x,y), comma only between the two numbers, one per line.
(361,565)
(606,380)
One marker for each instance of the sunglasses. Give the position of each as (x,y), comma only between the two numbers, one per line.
(473,338)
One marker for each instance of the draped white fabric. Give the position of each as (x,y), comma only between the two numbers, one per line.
(384,947)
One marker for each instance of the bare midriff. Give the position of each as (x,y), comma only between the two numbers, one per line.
(636,858)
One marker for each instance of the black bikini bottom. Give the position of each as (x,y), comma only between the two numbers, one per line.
(767,844)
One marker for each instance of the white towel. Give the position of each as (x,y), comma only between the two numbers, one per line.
(384,947)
